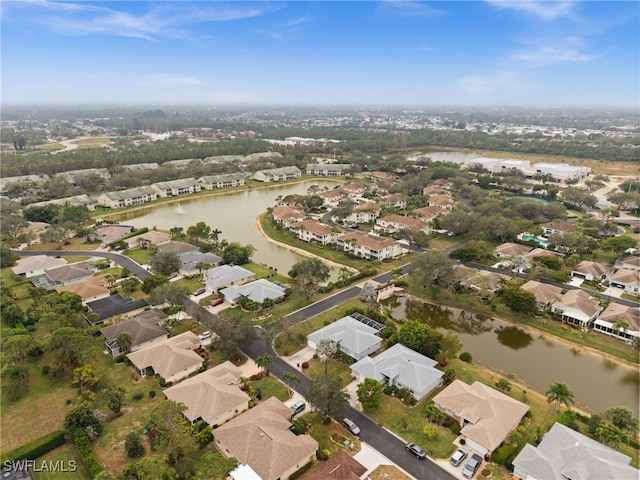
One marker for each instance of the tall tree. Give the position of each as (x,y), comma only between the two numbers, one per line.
(290,378)
(326,349)
(264,362)
(165,263)
(326,395)
(67,346)
(560,393)
(434,267)
(369,393)
(309,274)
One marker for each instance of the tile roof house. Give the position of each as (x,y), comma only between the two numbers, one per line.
(402,367)
(591,270)
(258,291)
(110,233)
(114,305)
(226,276)
(396,200)
(213,395)
(66,275)
(630,261)
(545,294)
(190,260)
(480,280)
(90,289)
(151,237)
(277,174)
(177,247)
(143,328)
(577,307)
(364,212)
(173,359)
(443,201)
(565,454)
(606,321)
(339,466)
(487,416)
(366,246)
(353,337)
(551,228)
(36,265)
(314,232)
(285,216)
(510,250)
(328,169)
(395,223)
(629,280)
(261,438)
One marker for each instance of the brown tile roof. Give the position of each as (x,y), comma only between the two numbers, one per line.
(428,212)
(512,249)
(543,292)
(366,207)
(169,356)
(89,288)
(406,221)
(340,466)
(177,247)
(626,276)
(313,226)
(580,300)
(561,227)
(286,212)
(367,241)
(542,252)
(593,268)
(615,311)
(72,271)
(261,438)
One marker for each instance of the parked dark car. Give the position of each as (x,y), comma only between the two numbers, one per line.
(199,291)
(416,450)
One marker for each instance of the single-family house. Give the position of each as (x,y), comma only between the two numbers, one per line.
(395,200)
(434,190)
(277,174)
(173,188)
(566,454)
(67,274)
(191,261)
(378,176)
(258,291)
(226,276)
(555,227)
(314,232)
(577,308)
(173,359)
(487,416)
(629,280)
(144,330)
(480,280)
(144,240)
(285,216)
(545,294)
(621,321)
(93,288)
(328,169)
(402,367)
(213,396)
(331,198)
(339,466)
(227,180)
(509,250)
(36,265)
(261,438)
(395,223)
(109,233)
(357,336)
(630,261)
(113,305)
(128,197)
(590,271)
(366,246)
(364,212)
(177,247)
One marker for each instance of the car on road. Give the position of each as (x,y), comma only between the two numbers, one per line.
(416,450)
(204,335)
(457,458)
(471,467)
(199,291)
(298,407)
(351,426)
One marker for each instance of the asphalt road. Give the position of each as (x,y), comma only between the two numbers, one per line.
(370,432)
(325,304)
(124,262)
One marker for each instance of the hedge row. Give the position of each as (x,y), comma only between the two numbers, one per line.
(83,444)
(139,231)
(36,448)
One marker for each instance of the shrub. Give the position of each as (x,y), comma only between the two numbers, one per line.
(45,370)
(133,445)
(567,418)
(502,454)
(466,357)
(430,430)
(83,444)
(390,390)
(305,365)
(35,448)
(138,396)
(152,394)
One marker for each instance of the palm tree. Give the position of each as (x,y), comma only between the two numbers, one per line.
(264,362)
(620,324)
(559,392)
(214,236)
(200,266)
(326,349)
(290,378)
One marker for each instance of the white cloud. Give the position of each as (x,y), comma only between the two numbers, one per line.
(168,80)
(408,8)
(545,10)
(547,55)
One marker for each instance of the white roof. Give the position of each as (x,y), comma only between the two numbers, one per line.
(351,334)
(226,274)
(257,291)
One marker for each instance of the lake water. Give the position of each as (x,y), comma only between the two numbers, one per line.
(534,358)
(234,214)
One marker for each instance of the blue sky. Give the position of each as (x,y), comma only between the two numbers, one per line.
(493,52)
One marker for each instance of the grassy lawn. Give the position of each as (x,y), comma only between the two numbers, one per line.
(323,433)
(75,243)
(91,142)
(64,455)
(140,256)
(76,259)
(272,387)
(334,369)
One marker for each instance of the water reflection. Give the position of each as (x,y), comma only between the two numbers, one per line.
(452,319)
(513,337)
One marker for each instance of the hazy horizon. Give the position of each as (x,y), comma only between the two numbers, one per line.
(388,54)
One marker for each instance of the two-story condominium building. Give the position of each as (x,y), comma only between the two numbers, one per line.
(227,180)
(429,213)
(328,169)
(441,201)
(365,212)
(218,159)
(257,157)
(74,201)
(395,200)
(277,174)
(366,246)
(141,167)
(174,188)
(353,190)
(28,181)
(395,223)
(331,198)
(314,232)
(182,164)
(286,216)
(126,198)
(72,176)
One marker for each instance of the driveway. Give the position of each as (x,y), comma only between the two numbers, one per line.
(372,459)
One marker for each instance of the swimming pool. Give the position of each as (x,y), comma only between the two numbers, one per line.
(538,240)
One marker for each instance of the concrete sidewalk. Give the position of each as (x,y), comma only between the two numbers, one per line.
(372,459)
